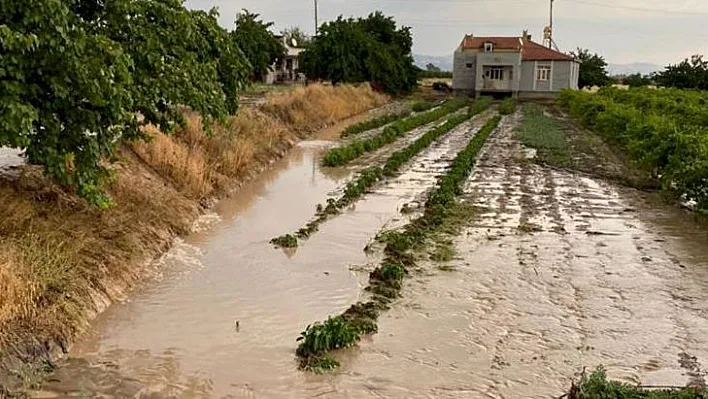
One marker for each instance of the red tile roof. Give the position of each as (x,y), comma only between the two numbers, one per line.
(533,51)
(506,43)
(530,51)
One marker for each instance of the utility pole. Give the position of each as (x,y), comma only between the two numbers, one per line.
(548,31)
(550,39)
(317,25)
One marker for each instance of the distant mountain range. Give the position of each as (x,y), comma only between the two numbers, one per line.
(444,62)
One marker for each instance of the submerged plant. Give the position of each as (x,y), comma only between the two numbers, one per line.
(318,338)
(285,241)
(596,386)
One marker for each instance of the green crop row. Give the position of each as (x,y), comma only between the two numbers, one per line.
(369,176)
(664,132)
(343,155)
(386,281)
(374,123)
(507,107)
(596,385)
(422,106)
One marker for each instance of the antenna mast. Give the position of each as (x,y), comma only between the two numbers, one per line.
(548,31)
(317,25)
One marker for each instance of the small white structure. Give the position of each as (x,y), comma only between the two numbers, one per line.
(287,69)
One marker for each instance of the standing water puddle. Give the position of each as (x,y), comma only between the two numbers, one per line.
(223,318)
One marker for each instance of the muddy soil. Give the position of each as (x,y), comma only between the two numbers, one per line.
(221,315)
(558,272)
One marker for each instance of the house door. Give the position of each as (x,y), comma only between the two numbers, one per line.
(497,78)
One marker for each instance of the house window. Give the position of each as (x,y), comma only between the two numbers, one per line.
(469,65)
(543,72)
(494,73)
(488,47)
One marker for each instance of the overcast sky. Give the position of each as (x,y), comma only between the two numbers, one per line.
(624,31)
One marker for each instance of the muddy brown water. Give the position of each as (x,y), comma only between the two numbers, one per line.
(558,271)
(221,313)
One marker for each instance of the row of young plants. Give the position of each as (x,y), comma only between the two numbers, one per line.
(371,175)
(596,385)
(664,132)
(343,155)
(386,281)
(374,123)
(507,107)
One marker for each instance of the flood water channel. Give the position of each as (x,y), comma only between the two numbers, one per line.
(558,272)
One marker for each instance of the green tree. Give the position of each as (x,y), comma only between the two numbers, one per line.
(369,49)
(64,92)
(259,44)
(689,74)
(637,80)
(432,68)
(302,39)
(76,74)
(593,69)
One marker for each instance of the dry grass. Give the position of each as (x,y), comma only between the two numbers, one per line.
(317,105)
(57,254)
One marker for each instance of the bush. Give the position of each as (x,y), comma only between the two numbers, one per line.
(662,131)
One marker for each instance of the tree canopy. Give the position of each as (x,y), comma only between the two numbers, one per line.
(369,49)
(637,80)
(302,38)
(689,74)
(258,43)
(79,76)
(593,69)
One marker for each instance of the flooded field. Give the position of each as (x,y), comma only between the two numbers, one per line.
(559,271)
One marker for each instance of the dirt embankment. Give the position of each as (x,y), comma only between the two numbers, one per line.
(63,262)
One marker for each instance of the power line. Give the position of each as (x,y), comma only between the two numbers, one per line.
(585,2)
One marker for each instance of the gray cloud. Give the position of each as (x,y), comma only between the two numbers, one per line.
(658,31)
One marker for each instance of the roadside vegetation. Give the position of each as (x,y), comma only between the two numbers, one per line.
(597,386)
(343,155)
(386,281)
(356,188)
(662,132)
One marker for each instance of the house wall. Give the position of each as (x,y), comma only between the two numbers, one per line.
(561,75)
(510,59)
(463,77)
(528,74)
(564,75)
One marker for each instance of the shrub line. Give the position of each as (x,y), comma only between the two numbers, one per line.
(386,281)
(371,175)
(343,155)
